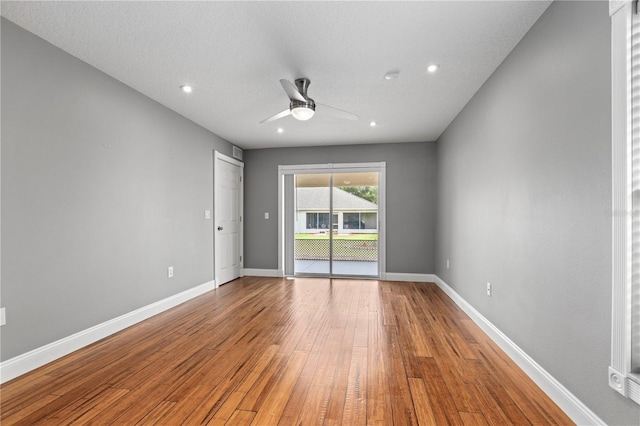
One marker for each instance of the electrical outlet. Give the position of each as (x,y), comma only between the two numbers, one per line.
(170,272)
(3,317)
(489,289)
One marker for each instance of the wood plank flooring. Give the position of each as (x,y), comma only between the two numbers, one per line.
(269,351)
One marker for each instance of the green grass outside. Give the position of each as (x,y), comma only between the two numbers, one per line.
(357,237)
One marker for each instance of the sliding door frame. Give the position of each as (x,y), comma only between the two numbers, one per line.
(285,221)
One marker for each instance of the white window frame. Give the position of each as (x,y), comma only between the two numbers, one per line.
(623,371)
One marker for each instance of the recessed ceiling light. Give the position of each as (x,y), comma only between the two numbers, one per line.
(280,130)
(373,124)
(433,68)
(186,88)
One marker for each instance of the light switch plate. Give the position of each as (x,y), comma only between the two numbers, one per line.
(3,317)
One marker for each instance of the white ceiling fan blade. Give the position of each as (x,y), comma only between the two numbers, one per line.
(292,91)
(277,116)
(335,112)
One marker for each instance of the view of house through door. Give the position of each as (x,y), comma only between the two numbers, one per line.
(336,224)
(228,218)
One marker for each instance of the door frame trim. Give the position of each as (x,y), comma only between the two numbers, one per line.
(218,156)
(379,167)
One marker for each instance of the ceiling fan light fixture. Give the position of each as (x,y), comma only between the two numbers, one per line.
(302,113)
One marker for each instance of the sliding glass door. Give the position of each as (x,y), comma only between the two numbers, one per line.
(335,221)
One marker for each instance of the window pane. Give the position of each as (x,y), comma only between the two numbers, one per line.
(369,220)
(312,204)
(312,221)
(323,220)
(351,221)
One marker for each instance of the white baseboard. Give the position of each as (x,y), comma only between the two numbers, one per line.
(31,360)
(401,276)
(389,276)
(260,272)
(572,406)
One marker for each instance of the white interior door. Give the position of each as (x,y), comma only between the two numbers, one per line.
(228,218)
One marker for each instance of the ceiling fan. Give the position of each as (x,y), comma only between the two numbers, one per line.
(302,107)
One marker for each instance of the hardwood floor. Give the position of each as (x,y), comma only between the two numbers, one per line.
(268,351)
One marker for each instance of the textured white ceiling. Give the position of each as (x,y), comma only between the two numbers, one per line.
(235,53)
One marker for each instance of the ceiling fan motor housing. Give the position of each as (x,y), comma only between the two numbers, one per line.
(302,84)
(299,109)
(302,111)
(299,104)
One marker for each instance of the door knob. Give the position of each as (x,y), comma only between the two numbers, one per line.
(220,228)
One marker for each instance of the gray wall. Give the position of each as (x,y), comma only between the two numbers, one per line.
(524,187)
(102,189)
(410,206)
